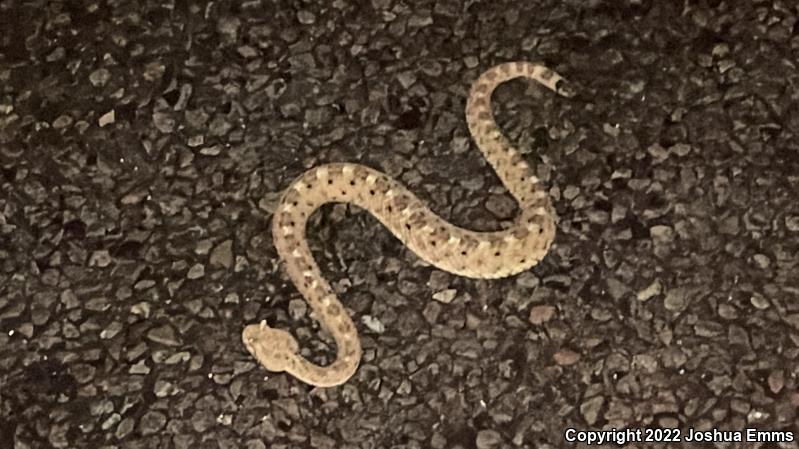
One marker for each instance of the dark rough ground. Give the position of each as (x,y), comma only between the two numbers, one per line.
(142,145)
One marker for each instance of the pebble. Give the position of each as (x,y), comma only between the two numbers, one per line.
(527,280)
(566,357)
(164,335)
(590,408)
(792,223)
(541,314)
(151,422)
(196,271)
(676,299)
(298,308)
(374,324)
(306,17)
(759,301)
(488,439)
(662,234)
(652,290)
(502,206)
(445,296)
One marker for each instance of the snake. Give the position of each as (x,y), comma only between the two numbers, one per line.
(464,252)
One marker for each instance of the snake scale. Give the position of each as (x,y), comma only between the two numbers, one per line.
(494,254)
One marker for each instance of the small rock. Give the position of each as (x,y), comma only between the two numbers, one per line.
(196,271)
(438,441)
(83,372)
(222,255)
(164,388)
(661,234)
(141,308)
(658,152)
(676,299)
(110,331)
(112,420)
(152,422)
(501,206)
(268,203)
(124,428)
(107,118)
(56,55)
(616,288)
(439,280)
(728,312)
(599,217)
(776,380)
(761,260)
(792,223)
(213,150)
(680,149)
(445,296)
(590,409)
(163,122)
(140,368)
(488,438)
(570,192)
(228,27)
(472,183)
(374,324)
(654,289)
(40,315)
(164,335)
(541,314)
(566,357)
(63,121)
(673,358)
(757,416)
(431,312)
(297,309)
(134,197)
(322,441)
(100,259)
(611,130)
(99,77)
(203,246)
(26,329)
(247,51)
(219,126)
(729,225)
(471,62)
(306,17)
(736,335)
(707,328)
(196,118)
(759,301)
(69,299)
(528,280)
(407,78)
(154,71)
(647,362)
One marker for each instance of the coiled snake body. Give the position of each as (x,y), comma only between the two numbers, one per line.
(460,251)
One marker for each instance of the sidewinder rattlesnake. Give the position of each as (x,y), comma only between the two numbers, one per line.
(460,251)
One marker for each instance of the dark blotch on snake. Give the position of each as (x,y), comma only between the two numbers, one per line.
(333,309)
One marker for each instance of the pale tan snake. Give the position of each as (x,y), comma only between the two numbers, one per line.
(461,251)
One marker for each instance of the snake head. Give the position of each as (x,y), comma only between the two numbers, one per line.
(275,349)
(565,88)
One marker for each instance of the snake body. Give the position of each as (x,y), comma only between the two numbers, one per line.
(446,246)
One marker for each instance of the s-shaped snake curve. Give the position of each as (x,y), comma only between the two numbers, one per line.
(494,254)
